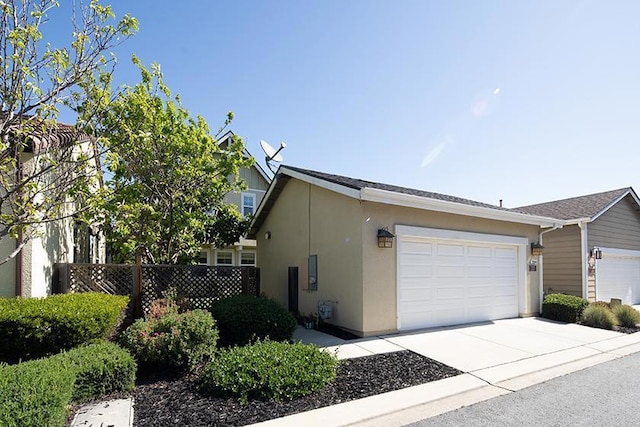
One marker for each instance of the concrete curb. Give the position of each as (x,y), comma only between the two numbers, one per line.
(111,413)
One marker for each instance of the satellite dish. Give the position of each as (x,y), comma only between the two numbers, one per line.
(271,153)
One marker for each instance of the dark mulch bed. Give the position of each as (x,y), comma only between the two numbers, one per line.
(626,330)
(176,401)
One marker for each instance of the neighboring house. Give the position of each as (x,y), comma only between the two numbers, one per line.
(243,252)
(453,260)
(596,255)
(30,273)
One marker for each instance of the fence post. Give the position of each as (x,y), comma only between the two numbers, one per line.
(61,278)
(137,283)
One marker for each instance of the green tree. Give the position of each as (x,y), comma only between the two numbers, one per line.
(167,175)
(45,167)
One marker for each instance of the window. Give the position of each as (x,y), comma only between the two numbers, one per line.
(248,203)
(203,258)
(224,258)
(248,258)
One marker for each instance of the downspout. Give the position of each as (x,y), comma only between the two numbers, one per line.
(540,274)
(583,258)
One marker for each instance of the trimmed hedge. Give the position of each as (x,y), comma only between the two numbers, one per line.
(100,369)
(244,318)
(269,370)
(598,316)
(38,392)
(175,340)
(565,308)
(35,393)
(36,327)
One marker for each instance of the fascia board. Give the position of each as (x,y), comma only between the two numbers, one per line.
(610,205)
(347,191)
(408,200)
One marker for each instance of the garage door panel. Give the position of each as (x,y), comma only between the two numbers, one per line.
(456,282)
(618,276)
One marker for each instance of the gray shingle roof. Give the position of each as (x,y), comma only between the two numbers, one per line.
(359,184)
(576,207)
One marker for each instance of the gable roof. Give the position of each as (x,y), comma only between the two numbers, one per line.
(225,138)
(391,195)
(587,207)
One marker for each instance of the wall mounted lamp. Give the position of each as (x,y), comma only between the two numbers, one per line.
(596,252)
(536,248)
(385,238)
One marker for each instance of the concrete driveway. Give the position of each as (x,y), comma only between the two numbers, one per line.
(475,347)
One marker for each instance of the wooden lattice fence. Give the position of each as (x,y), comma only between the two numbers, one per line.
(202,285)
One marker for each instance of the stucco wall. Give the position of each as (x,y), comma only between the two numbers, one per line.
(8,269)
(308,220)
(379,267)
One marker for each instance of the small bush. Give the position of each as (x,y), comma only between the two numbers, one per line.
(35,393)
(174,340)
(602,304)
(170,303)
(99,369)
(565,308)
(36,327)
(244,318)
(598,316)
(627,316)
(270,370)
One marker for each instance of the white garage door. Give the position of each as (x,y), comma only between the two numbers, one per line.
(455,281)
(618,276)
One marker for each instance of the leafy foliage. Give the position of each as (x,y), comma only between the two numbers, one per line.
(565,308)
(35,327)
(270,370)
(44,164)
(244,318)
(626,315)
(100,369)
(35,393)
(174,340)
(168,174)
(598,316)
(38,392)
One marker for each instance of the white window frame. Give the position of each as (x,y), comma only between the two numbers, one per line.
(208,255)
(226,252)
(242,205)
(255,259)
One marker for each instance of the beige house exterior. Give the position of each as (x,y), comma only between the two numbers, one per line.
(243,252)
(596,255)
(452,261)
(30,273)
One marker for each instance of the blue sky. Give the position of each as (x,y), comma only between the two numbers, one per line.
(522,101)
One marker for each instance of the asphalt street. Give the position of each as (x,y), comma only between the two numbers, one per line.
(603,395)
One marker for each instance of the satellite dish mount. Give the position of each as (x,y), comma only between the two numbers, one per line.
(272,155)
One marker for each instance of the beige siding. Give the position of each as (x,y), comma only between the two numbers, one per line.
(619,227)
(308,220)
(254,179)
(379,268)
(562,266)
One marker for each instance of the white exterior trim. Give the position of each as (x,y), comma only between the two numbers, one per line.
(338,188)
(620,252)
(446,234)
(625,194)
(408,200)
(583,259)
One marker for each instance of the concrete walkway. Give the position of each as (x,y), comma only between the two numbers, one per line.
(496,357)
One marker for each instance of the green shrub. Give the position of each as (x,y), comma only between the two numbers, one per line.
(598,316)
(627,316)
(36,327)
(270,370)
(179,340)
(35,393)
(565,308)
(99,369)
(244,318)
